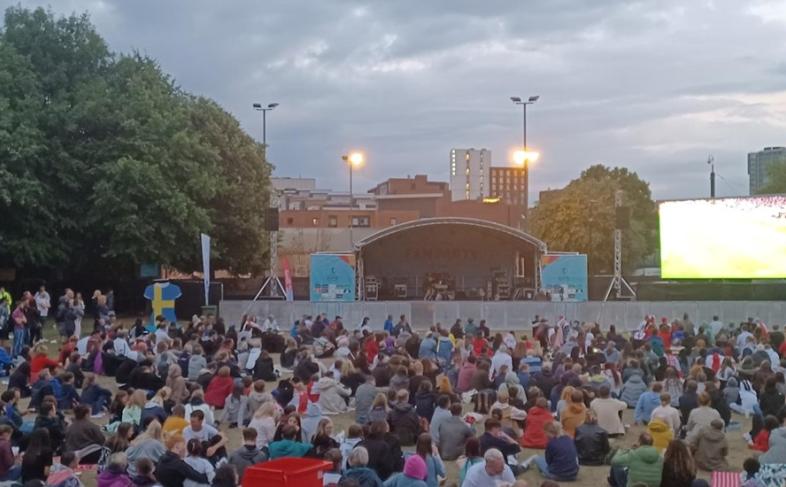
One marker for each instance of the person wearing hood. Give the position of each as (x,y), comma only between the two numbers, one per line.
(592,442)
(114,475)
(537,418)
(358,469)
(332,395)
(710,448)
(248,454)
(661,433)
(731,393)
(287,446)
(574,414)
(404,419)
(641,465)
(413,474)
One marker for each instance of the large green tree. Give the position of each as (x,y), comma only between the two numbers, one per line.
(105,161)
(581,218)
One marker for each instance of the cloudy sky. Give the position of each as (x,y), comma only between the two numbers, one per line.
(655,86)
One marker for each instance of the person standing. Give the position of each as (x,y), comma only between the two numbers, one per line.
(43,302)
(79,311)
(19,321)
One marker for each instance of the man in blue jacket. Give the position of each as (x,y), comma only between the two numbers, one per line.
(647,403)
(561,461)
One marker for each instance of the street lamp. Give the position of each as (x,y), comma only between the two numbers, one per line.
(524,156)
(353,159)
(258,107)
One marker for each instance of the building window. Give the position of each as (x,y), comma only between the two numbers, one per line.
(360,221)
(315,221)
(394,221)
(332,221)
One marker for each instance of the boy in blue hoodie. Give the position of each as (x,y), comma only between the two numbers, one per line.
(67,396)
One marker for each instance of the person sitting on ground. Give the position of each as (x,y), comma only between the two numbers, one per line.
(145,473)
(668,414)
(63,474)
(176,422)
(574,413)
(560,461)
(358,469)
(661,433)
(115,472)
(592,442)
(83,433)
(172,470)
(9,470)
(403,418)
(248,454)
(453,432)
(413,474)
(710,448)
(608,411)
(491,471)
(679,469)
(147,445)
(196,459)
(494,437)
(537,418)
(633,388)
(700,417)
(384,450)
(287,446)
(761,442)
(213,440)
(639,466)
(647,403)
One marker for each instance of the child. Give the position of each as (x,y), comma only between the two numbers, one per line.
(196,460)
(95,396)
(751,467)
(62,474)
(232,406)
(144,474)
(132,413)
(761,442)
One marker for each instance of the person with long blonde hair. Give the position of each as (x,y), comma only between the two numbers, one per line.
(148,445)
(379,409)
(264,422)
(132,413)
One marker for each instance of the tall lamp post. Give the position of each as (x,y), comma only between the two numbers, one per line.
(264,109)
(523,156)
(353,159)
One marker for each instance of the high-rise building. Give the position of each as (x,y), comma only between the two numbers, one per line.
(759,164)
(509,184)
(469,174)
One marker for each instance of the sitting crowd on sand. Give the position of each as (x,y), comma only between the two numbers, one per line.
(463,394)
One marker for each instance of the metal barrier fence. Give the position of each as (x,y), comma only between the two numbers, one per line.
(508,315)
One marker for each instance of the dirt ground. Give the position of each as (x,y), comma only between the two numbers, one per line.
(588,476)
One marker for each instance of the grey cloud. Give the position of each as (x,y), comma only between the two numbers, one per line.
(655,86)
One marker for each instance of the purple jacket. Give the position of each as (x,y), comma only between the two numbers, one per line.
(107,478)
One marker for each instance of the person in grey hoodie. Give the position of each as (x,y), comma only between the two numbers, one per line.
(196,363)
(248,454)
(731,393)
(453,434)
(364,398)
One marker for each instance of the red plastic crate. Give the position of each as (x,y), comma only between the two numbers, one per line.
(287,472)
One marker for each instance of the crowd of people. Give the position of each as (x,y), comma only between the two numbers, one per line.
(418,400)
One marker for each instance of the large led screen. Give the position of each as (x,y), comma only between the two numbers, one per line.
(733,238)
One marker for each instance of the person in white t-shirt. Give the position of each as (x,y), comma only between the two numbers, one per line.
(205,433)
(491,471)
(668,414)
(43,302)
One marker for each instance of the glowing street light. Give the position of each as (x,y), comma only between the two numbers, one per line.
(524,157)
(353,159)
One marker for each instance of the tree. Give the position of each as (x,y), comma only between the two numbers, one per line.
(581,218)
(104,161)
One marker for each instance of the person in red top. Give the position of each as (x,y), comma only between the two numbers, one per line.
(219,388)
(40,361)
(665,335)
(67,349)
(537,417)
(371,347)
(761,442)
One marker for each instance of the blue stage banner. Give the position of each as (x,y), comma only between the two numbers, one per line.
(332,278)
(564,277)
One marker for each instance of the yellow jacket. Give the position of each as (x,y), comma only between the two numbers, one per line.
(661,433)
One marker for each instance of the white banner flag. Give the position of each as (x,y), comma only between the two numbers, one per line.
(206,264)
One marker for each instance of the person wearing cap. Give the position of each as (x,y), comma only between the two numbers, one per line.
(413,475)
(491,471)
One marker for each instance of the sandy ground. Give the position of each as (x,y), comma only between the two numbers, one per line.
(588,476)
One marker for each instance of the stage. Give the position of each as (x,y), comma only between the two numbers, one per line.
(508,315)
